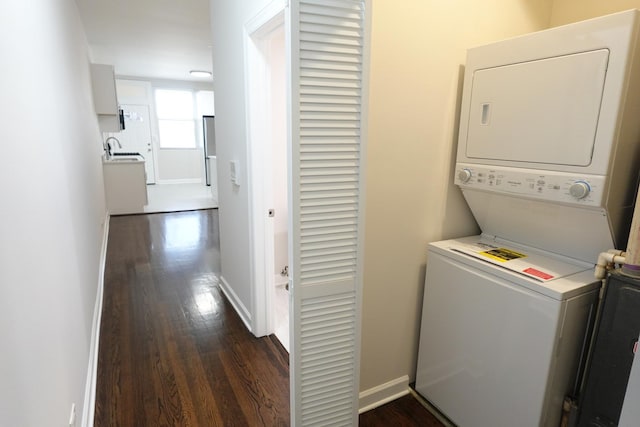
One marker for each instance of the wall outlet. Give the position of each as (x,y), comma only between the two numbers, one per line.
(72,416)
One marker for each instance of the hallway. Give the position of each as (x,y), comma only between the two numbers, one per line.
(172,349)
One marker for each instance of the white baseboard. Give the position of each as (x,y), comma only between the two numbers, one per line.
(88,409)
(383,393)
(236,303)
(180,181)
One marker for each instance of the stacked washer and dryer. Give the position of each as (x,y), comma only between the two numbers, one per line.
(548,161)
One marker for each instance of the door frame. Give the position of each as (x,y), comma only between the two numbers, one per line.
(257,32)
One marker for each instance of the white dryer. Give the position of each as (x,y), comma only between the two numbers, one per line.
(548,161)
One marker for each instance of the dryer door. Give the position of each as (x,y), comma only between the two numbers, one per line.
(544,111)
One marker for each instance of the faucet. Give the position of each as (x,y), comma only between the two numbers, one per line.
(107,146)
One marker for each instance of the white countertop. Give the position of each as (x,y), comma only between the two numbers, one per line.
(115,160)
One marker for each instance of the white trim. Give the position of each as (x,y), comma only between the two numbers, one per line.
(242,311)
(362,194)
(180,181)
(255,84)
(383,393)
(256,34)
(88,409)
(257,24)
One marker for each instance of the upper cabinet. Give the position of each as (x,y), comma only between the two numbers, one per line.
(105,99)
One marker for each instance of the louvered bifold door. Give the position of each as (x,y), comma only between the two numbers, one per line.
(327,51)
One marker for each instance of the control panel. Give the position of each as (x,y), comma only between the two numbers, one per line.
(545,185)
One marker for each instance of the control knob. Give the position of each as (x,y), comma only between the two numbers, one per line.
(464,175)
(580,189)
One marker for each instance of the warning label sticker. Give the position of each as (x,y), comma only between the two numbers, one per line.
(537,273)
(502,254)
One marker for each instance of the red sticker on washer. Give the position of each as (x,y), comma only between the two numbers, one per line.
(538,273)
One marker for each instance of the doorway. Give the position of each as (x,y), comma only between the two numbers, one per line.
(279,183)
(136,137)
(269,175)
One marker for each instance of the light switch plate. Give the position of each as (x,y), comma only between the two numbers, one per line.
(234,172)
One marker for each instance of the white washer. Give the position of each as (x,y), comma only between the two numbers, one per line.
(502,329)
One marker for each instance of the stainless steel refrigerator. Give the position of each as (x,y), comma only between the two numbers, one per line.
(209,134)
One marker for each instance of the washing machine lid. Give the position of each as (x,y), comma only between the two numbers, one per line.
(579,230)
(554,276)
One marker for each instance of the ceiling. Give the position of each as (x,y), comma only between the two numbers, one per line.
(158,39)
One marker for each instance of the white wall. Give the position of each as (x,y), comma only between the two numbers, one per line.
(227,21)
(416,52)
(52,212)
(184,165)
(568,11)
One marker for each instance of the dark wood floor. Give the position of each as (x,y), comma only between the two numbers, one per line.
(173,352)
(405,412)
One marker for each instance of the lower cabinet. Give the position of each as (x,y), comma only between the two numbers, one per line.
(125,186)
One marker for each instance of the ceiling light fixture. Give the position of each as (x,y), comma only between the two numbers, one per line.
(200,73)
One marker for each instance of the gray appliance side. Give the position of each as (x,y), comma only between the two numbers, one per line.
(624,164)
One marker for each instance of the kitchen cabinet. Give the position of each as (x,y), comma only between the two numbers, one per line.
(125,185)
(105,98)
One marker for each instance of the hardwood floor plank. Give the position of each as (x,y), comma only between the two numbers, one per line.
(199,406)
(228,404)
(252,388)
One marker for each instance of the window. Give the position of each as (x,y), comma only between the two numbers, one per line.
(176,118)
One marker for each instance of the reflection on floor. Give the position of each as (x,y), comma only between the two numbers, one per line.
(179,197)
(282,316)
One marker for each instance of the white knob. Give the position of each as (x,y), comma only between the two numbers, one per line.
(464,175)
(579,189)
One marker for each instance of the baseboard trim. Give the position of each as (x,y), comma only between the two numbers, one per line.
(88,410)
(383,393)
(180,181)
(240,308)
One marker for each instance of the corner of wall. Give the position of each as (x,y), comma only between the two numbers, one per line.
(88,410)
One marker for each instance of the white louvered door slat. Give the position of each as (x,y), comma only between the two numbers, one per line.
(327,45)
